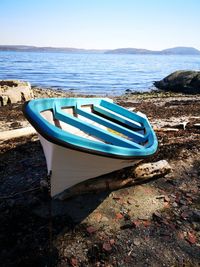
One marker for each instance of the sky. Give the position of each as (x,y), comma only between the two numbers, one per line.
(101,24)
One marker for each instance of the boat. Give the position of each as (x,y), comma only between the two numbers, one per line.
(84,138)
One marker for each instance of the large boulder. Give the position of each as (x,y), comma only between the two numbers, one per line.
(13,91)
(181,81)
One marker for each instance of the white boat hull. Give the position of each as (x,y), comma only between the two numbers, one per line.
(69,167)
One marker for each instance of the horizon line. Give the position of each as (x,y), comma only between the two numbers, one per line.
(98,49)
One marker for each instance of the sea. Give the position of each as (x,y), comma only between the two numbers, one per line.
(92,73)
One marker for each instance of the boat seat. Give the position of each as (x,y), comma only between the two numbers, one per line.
(106,136)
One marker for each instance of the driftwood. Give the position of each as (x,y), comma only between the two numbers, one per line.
(6,135)
(175,128)
(141,173)
(152,170)
(156,129)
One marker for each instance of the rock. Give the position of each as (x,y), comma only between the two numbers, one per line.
(196,216)
(136,223)
(181,81)
(186,215)
(174,204)
(196,226)
(73,262)
(112,242)
(91,229)
(136,242)
(4,100)
(107,247)
(119,216)
(14,91)
(157,217)
(152,170)
(191,238)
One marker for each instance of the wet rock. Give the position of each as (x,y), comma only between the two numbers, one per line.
(128,91)
(181,81)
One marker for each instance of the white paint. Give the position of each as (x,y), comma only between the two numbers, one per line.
(70,167)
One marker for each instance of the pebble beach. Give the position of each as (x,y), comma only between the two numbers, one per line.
(156,223)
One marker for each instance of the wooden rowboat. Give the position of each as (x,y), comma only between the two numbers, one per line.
(84,138)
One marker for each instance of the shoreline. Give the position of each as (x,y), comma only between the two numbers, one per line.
(154,93)
(14,118)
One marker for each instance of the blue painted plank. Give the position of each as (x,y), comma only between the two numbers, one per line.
(122,111)
(116,117)
(91,129)
(137,137)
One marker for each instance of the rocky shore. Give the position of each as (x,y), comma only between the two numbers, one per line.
(151,224)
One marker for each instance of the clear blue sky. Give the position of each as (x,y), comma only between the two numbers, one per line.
(101,24)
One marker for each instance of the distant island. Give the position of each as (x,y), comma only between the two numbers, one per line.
(27,48)
(169,51)
(136,51)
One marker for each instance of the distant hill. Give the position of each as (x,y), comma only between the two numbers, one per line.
(27,48)
(181,51)
(169,51)
(137,51)
(129,51)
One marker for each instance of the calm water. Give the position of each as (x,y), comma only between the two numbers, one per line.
(92,73)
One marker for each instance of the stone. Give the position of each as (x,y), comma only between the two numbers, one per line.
(91,229)
(191,238)
(181,81)
(107,247)
(174,204)
(196,216)
(136,242)
(13,91)
(74,262)
(4,100)
(119,216)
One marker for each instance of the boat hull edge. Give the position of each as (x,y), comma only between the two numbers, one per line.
(69,167)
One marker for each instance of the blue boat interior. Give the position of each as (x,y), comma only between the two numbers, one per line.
(116,131)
